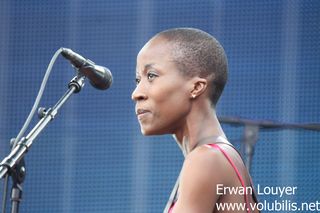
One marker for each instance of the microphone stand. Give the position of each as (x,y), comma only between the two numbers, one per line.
(250,137)
(14,164)
(251,131)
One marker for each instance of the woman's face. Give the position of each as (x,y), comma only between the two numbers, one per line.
(162,94)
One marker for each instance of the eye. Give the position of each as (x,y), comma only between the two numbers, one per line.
(151,76)
(137,81)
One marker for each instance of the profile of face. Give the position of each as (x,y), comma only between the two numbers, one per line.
(163,93)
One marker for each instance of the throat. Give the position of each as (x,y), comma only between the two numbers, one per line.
(185,148)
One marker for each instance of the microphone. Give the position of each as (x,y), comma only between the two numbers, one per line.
(99,77)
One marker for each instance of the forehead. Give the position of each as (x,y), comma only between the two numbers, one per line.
(154,51)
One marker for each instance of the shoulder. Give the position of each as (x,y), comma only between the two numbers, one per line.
(204,168)
(206,164)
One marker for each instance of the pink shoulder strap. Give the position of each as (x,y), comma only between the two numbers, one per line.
(235,169)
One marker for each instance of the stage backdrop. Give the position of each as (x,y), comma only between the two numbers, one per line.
(92,157)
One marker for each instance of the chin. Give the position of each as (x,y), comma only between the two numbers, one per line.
(148,131)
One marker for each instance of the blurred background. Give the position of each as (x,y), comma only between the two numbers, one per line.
(93,158)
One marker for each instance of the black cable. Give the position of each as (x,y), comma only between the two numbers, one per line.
(267,124)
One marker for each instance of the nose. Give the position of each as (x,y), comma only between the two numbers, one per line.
(138,94)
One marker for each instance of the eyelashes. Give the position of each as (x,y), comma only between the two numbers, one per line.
(150,76)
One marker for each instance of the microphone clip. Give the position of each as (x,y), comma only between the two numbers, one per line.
(77,82)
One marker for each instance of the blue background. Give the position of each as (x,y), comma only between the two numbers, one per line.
(93,158)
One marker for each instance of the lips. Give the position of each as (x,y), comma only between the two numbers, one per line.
(142,113)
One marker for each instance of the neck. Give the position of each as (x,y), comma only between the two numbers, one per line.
(200,125)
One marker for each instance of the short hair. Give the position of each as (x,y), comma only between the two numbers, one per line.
(197,53)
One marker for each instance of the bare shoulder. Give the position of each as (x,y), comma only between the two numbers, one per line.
(208,164)
(204,168)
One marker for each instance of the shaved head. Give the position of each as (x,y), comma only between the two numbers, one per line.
(197,53)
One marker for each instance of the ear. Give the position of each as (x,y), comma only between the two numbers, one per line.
(199,86)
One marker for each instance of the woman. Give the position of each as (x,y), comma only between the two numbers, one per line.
(180,76)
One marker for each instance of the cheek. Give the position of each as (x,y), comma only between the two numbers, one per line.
(170,111)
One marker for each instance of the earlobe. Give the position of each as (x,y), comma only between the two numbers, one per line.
(199,87)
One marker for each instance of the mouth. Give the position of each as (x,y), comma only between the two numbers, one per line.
(141,113)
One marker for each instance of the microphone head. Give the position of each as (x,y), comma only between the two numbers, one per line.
(99,77)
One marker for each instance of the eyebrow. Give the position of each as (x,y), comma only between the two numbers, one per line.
(146,67)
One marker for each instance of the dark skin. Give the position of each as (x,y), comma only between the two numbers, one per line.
(167,102)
